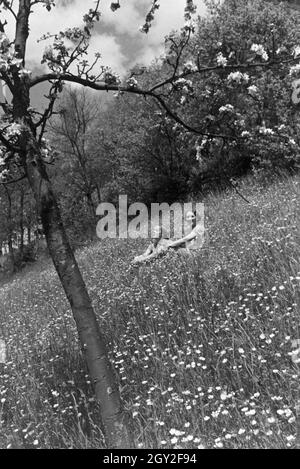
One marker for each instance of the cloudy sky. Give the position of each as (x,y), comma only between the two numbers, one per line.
(116,36)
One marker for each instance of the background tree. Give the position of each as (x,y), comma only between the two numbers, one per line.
(74,132)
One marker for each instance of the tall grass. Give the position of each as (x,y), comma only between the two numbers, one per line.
(203,348)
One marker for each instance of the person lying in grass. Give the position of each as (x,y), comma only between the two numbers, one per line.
(159,244)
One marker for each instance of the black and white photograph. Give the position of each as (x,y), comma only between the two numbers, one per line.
(149,227)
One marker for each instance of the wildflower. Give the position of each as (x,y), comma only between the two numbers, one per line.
(218,443)
(175,432)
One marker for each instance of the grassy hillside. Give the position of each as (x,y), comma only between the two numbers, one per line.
(203,348)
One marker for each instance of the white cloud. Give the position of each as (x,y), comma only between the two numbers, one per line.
(60,18)
(117,36)
(169,17)
(131,16)
(126,20)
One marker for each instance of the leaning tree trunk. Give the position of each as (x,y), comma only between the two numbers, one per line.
(114,419)
(92,342)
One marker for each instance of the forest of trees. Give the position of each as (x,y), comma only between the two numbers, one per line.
(132,146)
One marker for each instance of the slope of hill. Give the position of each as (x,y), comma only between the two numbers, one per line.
(205,349)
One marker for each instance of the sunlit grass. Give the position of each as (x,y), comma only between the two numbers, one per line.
(203,348)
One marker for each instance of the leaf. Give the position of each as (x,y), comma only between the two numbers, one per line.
(114,6)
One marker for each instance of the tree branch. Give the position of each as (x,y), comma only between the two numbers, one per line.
(7,143)
(221,68)
(8,6)
(14,181)
(174,116)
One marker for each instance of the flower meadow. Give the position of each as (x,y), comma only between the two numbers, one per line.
(206,350)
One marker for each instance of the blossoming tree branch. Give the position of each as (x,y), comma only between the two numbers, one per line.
(25,153)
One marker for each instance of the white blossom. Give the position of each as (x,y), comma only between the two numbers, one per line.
(226,108)
(296,51)
(266,131)
(259,50)
(3,65)
(132,82)
(252,90)
(198,153)
(221,60)
(183,82)
(238,77)
(189,25)
(4,42)
(24,73)
(295,69)
(185,85)
(16,62)
(111,78)
(13,130)
(190,67)
(3,174)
